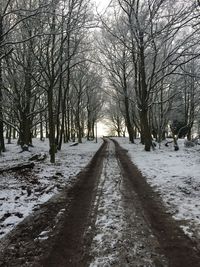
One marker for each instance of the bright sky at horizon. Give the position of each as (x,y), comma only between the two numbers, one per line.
(102,129)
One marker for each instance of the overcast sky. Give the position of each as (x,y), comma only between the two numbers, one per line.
(101,4)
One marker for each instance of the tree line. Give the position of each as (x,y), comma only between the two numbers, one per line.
(150,53)
(57,72)
(49,85)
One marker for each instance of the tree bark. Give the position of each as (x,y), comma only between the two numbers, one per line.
(2,144)
(128,121)
(145,127)
(52,145)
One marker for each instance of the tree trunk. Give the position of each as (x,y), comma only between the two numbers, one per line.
(145,127)
(65,97)
(46,126)
(189,133)
(41,129)
(93,129)
(79,128)
(25,138)
(128,124)
(52,145)
(68,128)
(88,130)
(89,124)
(73,135)
(9,134)
(127,111)
(118,127)
(14,133)
(63,112)
(60,132)
(2,144)
(146,130)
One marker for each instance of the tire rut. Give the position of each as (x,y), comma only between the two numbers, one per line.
(179,249)
(147,235)
(72,242)
(122,236)
(24,247)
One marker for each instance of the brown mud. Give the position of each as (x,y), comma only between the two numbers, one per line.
(64,217)
(178,248)
(68,216)
(71,245)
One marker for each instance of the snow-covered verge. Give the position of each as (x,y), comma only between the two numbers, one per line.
(21,192)
(176,176)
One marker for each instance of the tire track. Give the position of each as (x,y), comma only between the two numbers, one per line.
(178,248)
(122,237)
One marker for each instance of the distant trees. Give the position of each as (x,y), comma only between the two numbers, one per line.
(190,94)
(116,118)
(116,59)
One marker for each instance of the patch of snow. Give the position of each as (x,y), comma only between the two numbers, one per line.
(21,193)
(109,223)
(43,235)
(175,175)
(186,230)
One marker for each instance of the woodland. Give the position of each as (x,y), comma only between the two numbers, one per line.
(64,66)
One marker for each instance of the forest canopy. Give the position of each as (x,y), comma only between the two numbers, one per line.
(64,67)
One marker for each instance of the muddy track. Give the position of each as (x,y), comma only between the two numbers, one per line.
(64,217)
(72,242)
(179,249)
(149,235)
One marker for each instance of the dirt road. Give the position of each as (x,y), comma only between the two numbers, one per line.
(109,217)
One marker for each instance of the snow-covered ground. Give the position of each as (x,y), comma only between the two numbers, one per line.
(176,176)
(22,192)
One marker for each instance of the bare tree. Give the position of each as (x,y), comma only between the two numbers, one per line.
(160,35)
(116,59)
(15,15)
